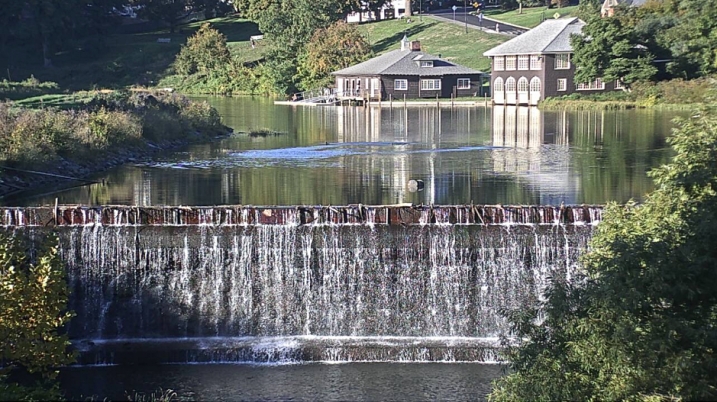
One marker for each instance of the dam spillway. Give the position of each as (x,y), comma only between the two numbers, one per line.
(77,215)
(295,284)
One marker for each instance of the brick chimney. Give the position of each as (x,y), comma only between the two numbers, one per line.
(416,46)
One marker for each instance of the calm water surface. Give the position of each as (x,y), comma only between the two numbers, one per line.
(342,155)
(305,382)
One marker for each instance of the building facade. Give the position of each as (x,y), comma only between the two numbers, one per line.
(407,73)
(538,64)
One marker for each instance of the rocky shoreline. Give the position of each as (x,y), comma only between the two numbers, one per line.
(16,181)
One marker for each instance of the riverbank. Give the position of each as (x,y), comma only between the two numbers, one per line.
(51,147)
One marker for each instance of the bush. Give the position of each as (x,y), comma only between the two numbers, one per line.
(104,123)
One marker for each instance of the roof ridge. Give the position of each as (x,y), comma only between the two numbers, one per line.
(568,22)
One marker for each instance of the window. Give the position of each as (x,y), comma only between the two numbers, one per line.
(619,84)
(562,84)
(464,83)
(523,84)
(510,85)
(400,85)
(523,62)
(429,85)
(562,61)
(427,63)
(596,85)
(510,62)
(535,84)
(535,62)
(498,85)
(499,63)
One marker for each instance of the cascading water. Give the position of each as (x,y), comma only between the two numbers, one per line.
(288,292)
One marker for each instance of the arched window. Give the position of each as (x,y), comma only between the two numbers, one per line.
(498,85)
(535,84)
(523,84)
(510,84)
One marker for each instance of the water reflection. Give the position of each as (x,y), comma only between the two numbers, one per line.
(341,155)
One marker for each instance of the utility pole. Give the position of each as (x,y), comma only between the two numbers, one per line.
(465,15)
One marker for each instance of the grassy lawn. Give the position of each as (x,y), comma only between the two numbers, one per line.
(530,17)
(125,60)
(138,59)
(448,40)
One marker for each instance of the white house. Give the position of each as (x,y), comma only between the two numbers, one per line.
(393,9)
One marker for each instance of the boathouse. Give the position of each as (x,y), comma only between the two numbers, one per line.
(407,73)
(537,65)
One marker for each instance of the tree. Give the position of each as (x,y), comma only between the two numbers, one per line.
(171,12)
(205,51)
(288,26)
(55,24)
(642,322)
(338,46)
(693,39)
(608,48)
(33,301)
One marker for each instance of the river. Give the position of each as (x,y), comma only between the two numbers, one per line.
(338,156)
(343,155)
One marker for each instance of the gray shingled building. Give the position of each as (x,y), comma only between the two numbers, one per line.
(537,65)
(407,72)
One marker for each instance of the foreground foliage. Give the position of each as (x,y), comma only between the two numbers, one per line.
(33,301)
(642,323)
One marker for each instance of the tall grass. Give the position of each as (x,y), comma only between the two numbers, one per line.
(108,123)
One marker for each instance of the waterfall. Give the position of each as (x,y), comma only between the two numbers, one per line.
(302,292)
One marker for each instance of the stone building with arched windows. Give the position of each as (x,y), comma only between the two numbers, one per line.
(537,65)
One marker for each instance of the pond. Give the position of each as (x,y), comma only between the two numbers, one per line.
(289,155)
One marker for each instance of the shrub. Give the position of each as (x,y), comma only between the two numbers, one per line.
(107,121)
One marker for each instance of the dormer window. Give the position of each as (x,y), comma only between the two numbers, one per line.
(427,63)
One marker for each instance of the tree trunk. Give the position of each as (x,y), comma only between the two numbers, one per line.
(408,14)
(46,57)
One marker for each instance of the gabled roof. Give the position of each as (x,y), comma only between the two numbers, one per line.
(405,62)
(552,36)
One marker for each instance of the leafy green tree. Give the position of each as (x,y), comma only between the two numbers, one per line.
(205,51)
(288,26)
(170,12)
(338,46)
(55,22)
(641,324)
(608,48)
(693,39)
(33,301)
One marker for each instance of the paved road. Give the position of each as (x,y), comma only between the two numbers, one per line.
(473,22)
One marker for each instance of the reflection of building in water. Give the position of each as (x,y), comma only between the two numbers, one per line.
(528,127)
(536,150)
(408,144)
(142,191)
